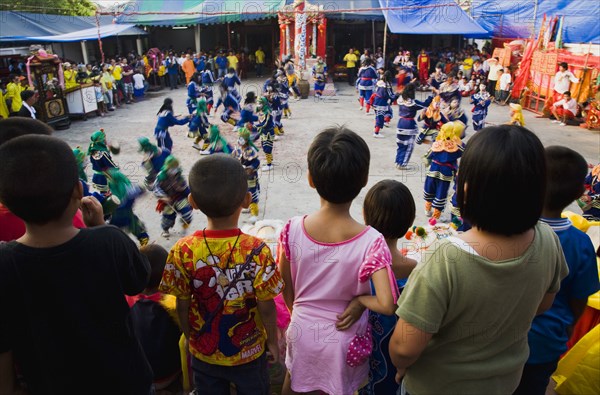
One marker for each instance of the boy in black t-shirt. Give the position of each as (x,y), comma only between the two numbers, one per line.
(64,321)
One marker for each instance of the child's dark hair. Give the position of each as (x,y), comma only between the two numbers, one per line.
(27,94)
(167,105)
(157,256)
(567,170)
(47,172)
(409,92)
(389,208)
(338,162)
(502,180)
(218,184)
(20,126)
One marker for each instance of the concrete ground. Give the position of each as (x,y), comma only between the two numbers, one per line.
(285,191)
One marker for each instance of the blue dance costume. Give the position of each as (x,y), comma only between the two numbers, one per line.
(481,101)
(443,155)
(365,83)
(232,105)
(407,130)
(381,101)
(173,191)
(101,162)
(248,157)
(193,93)
(591,209)
(166,119)
(231,80)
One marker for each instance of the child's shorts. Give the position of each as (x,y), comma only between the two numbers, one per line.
(250,378)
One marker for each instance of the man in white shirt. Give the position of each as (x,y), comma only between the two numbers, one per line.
(562,80)
(505,81)
(564,109)
(494,66)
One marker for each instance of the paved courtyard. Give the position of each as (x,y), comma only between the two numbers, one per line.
(285,191)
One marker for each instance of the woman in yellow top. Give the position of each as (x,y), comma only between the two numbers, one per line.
(351,60)
(70,76)
(3,107)
(13,94)
(233,61)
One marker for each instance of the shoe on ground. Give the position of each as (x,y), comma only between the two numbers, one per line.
(197,146)
(556,121)
(252,220)
(245,210)
(360,108)
(165,234)
(387,125)
(401,167)
(562,124)
(378,135)
(428,213)
(276,138)
(267,167)
(205,152)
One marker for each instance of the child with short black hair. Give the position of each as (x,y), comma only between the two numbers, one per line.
(225,282)
(550,331)
(389,208)
(85,315)
(320,284)
(466,309)
(155,322)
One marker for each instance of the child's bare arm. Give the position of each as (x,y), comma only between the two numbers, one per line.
(268,314)
(383,301)
(406,345)
(183,312)
(286,274)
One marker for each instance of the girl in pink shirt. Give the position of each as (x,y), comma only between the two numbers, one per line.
(327,259)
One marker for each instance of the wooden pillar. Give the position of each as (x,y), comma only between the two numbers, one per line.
(322,38)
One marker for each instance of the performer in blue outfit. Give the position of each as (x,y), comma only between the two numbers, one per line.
(231,104)
(208,80)
(247,153)
(381,101)
(275,105)
(101,161)
(284,96)
(199,125)
(481,101)
(266,129)
(365,83)
(455,113)
(193,92)
(407,126)
(172,192)
(319,72)
(166,119)
(432,119)
(216,143)
(154,159)
(231,80)
(443,156)
(123,217)
(248,114)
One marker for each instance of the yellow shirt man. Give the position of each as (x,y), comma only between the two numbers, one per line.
(233,61)
(13,92)
(350,60)
(468,63)
(117,72)
(70,78)
(3,107)
(260,56)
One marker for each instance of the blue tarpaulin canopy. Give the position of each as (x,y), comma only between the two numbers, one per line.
(428,17)
(22,27)
(91,34)
(522,19)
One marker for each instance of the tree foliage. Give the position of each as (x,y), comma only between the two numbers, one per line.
(60,7)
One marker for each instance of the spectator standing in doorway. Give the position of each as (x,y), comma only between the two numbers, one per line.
(351,60)
(260,61)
